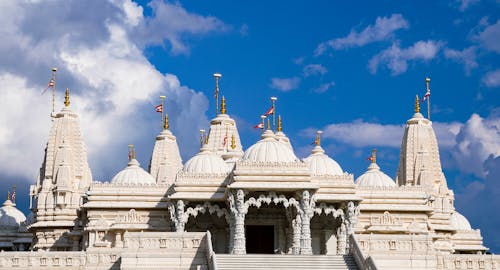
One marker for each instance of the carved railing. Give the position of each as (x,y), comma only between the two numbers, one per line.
(211,261)
(355,251)
(468,261)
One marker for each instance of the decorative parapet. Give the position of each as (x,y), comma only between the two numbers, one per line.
(395,244)
(468,261)
(184,177)
(295,164)
(187,241)
(43,260)
(103,185)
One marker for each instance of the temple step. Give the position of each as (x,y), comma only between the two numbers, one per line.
(277,261)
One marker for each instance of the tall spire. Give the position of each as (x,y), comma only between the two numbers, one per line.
(417,104)
(131,152)
(428,96)
(66,98)
(280,127)
(268,124)
(273,100)
(52,84)
(223,105)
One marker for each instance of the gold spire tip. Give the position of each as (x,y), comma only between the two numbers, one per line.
(417,105)
(223,105)
(206,139)
(374,156)
(280,125)
(165,122)
(131,152)
(317,141)
(66,98)
(8,195)
(268,124)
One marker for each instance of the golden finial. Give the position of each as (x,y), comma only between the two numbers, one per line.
(268,124)
(280,127)
(66,98)
(223,105)
(417,104)
(373,158)
(165,122)
(206,138)
(317,141)
(8,195)
(233,141)
(131,152)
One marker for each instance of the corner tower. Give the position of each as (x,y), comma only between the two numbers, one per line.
(63,180)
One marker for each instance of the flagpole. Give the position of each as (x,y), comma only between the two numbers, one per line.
(273,100)
(54,70)
(162,98)
(427,82)
(263,117)
(216,96)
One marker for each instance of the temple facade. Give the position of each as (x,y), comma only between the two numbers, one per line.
(229,205)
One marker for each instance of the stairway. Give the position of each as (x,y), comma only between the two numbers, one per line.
(282,262)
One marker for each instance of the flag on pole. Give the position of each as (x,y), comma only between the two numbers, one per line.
(270,111)
(260,125)
(427,95)
(159,108)
(370,158)
(51,84)
(13,197)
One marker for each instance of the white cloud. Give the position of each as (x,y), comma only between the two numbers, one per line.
(324,87)
(466,56)
(464,4)
(492,78)
(396,58)
(476,142)
(383,29)
(490,37)
(314,69)
(285,84)
(114,86)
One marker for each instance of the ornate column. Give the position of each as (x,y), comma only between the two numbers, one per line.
(296,235)
(341,238)
(306,213)
(351,219)
(178,215)
(238,212)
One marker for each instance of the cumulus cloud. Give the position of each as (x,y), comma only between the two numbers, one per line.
(490,37)
(100,57)
(396,58)
(492,78)
(467,57)
(324,87)
(314,69)
(465,4)
(383,29)
(285,84)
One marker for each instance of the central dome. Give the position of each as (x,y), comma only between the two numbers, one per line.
(459,222)
(207,162)
(374,177)
(133,174)
(321,164)
(268,149)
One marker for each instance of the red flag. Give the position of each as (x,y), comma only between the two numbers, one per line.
(370,158)
(260,125)
(13,197)
(159,108)
(427,95)
(51,84)
(270,111)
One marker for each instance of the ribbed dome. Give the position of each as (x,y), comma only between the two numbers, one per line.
(321,164)
(10,217)
(374,177)
(206,162)
(268,149)
(133,174)
(459,222)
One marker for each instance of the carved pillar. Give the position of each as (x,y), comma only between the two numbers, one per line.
(351,219)
(238,212)
(341,239)
(178,216)
(296,235)
(306,213)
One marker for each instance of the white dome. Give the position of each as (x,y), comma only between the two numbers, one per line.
(321,164)
(459,222)
(374,177)
(10,216)
(206,162)
(268,149)
(133,174)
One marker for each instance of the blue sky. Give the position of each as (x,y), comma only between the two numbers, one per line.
(350,68)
